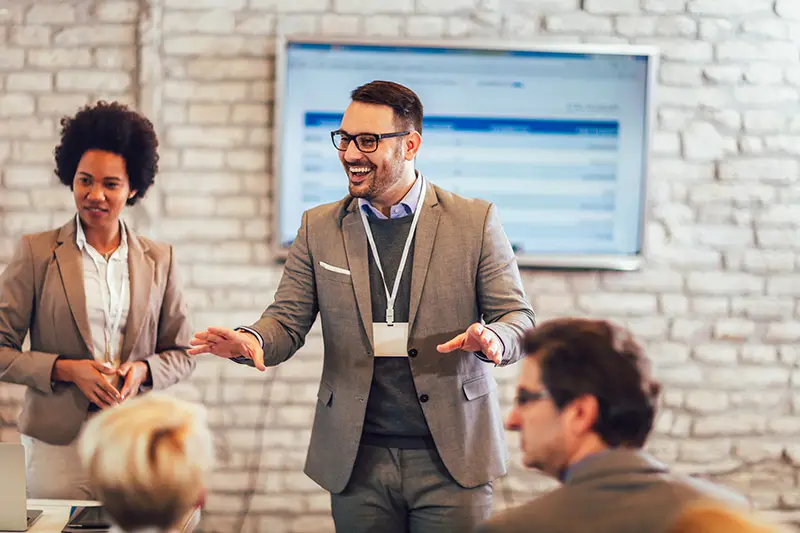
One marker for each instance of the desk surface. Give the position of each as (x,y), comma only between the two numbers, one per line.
(55,515)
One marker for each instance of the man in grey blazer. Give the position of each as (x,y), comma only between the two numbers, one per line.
(407,433)
(584,408)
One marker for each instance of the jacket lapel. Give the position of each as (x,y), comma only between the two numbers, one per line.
(140,272)
(355,245)
(423,247)
(70,267)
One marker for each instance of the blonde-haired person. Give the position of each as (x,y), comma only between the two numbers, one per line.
(713,517)
(148,461)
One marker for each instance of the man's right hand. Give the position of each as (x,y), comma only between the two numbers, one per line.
(89,376)
(227,343)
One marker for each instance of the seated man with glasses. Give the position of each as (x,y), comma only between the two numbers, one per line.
(585,405)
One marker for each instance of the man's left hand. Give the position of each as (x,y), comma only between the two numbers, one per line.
(477,338)
(135,373)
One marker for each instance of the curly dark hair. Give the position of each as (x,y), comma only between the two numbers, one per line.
(110,127)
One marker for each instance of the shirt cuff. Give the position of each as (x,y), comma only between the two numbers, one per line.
(254,332)
(482,357)
(241,359)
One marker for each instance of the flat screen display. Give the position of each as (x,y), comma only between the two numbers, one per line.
(557,137)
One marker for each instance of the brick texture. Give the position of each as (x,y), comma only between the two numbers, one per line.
(718,305)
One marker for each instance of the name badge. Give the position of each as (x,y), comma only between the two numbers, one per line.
(390,340)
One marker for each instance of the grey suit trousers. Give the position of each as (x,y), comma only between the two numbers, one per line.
(406,491)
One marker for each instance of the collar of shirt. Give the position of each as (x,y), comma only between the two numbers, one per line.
(406,207)
(571,469)
(80,239)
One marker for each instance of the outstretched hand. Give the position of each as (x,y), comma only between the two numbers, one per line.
(227,343)
(477,338)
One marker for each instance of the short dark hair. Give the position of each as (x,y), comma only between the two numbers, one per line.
(405,102)
(110,127)
(579,357)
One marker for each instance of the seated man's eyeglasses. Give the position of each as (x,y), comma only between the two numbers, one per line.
(365,142)
(525,396)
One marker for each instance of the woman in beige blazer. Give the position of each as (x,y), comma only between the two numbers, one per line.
(103,306)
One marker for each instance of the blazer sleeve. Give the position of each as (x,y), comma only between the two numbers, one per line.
(284,325)
(501,296)
(17,306)
(171,363)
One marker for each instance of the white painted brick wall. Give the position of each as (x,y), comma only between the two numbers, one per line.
(718,307)
(788,9)
(49,14)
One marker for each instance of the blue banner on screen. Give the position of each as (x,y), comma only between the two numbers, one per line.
(556,140)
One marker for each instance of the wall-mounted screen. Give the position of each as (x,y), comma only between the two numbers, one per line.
(556,136)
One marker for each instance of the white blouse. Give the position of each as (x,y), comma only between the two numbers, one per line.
(107,286)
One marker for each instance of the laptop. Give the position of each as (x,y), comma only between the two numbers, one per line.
(14,512)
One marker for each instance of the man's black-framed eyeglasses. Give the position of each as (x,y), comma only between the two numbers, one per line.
(525,396)
(365,142)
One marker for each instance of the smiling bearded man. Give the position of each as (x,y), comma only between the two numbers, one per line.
(419,295)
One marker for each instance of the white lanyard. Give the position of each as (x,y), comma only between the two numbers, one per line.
(111,334)
(390,298)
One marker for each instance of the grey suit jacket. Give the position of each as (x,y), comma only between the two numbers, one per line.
(463,270)
(42,293)
(619,491)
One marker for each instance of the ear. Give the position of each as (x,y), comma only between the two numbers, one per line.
(132,194)
(584,412)
(412,143)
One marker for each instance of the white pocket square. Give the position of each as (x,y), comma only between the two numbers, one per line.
(332,268)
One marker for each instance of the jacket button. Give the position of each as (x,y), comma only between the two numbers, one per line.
(423,398)
(412,352)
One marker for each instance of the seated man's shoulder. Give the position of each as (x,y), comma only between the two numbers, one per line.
(698,488)
(652,478)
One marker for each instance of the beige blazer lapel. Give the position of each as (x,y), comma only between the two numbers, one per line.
(355,246)
(140,271)
(70,267)
(423,247)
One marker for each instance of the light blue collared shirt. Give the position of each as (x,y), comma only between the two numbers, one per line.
(406,207)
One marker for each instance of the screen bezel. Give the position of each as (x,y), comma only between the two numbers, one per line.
(531,260)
